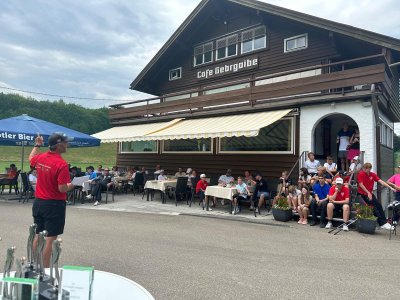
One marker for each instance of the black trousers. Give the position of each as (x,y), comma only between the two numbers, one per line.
(318,209)
(97,188)
(378,210)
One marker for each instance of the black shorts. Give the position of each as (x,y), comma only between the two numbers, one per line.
(49,215)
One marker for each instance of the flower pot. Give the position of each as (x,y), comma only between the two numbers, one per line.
(282,215)
(366,226)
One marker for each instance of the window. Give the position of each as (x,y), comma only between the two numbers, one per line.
(254,39)
(227,47)
(227,88)
(175,74)
(275,138)
(138,147)
(188,145)
(203,54)
(180,97)
(386,135)
(296,43)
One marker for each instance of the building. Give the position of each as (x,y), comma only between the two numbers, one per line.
(248,85)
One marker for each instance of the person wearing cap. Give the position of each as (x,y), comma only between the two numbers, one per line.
(201,188)
(394,182)
(101,183)
(339,199)
(53,183)
(162,176)
(366,180)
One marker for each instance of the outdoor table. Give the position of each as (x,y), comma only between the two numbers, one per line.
(108,286)
(160,185)
(220,192)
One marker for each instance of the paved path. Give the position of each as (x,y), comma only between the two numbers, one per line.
(186,257)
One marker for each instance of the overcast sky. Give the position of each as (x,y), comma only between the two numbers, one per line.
(96,48)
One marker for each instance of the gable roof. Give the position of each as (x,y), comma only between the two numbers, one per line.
(355,32)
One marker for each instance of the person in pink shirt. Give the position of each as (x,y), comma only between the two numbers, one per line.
(394,182)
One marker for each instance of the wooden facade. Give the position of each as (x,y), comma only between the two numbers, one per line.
(349,65)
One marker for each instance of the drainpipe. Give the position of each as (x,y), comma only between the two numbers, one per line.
(374,102)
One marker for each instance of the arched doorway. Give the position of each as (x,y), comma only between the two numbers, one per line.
(325,134)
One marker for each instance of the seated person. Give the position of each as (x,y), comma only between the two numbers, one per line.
(201,187)
(355,168)
(226,179)
(99,169)
(304,202)
(157,171)
(73,172)
(331,167)
(339,199)
(242,191)
(114,171)
(311,164)
(180,173)
(248,179)
(101,183)
(90,171)
(304,178)
(12,171)
(33,179)
(283,185)
(321,172)
(162,176)
(320,201)
(261,192)
(293,197)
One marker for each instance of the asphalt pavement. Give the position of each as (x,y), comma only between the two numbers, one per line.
(189,256)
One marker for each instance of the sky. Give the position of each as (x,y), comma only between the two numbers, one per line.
(94,49)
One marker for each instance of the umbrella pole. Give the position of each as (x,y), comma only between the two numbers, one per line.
(22,156)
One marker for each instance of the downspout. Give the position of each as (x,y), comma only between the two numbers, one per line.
(374,102)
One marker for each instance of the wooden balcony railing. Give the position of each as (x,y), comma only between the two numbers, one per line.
(337,78)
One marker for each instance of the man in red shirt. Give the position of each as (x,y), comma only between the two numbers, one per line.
(366,180)
(339,199)
(53,183)
(201,188)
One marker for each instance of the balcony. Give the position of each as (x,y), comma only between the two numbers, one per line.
(340,81)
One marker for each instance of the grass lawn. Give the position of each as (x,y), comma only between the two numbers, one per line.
(106,155)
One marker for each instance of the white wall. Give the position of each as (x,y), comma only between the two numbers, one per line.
(310,116)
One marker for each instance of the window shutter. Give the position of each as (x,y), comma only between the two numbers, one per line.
(198,50)
(259,31)
(208,47)
(232,40)
(222,43)
(247,35)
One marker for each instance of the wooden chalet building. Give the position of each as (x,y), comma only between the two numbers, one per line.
(243,84)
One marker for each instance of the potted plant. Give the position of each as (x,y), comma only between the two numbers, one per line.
(366,221)
(281,210)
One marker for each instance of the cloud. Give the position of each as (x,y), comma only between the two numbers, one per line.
(96,48)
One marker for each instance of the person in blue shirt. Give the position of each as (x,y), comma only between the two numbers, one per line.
(320,201)
(90,171)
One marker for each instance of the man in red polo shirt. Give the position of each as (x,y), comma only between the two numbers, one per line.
(53,183)
(339,199)
(366,180)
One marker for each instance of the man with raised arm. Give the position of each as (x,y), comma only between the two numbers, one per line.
(53,183)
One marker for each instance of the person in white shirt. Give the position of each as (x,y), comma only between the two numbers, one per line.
(343,139)
(33,178)
(312,164)
(162,176)
(330,166)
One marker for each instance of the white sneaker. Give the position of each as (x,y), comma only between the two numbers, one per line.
(257,210)
(387,226)
(96,203)
(329,225)
(345,227)
(89,197)
(233,212)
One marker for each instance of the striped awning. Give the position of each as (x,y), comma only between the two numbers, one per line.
(227,126)
(132,132)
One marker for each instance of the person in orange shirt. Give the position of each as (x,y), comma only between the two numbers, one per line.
(12,172)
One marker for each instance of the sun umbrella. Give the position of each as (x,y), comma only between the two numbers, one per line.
(22,130)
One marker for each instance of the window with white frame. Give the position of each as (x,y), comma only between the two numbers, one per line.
(138,147)
(226,47)
(295,43)
(227,88)
(175,74)
(254,39)
(203,145)
(386,135)
(275,138)
(203,54)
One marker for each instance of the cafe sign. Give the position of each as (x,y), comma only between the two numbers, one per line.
(228,68)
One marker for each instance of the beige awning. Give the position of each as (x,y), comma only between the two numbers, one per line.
(226,126)
(132,132)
